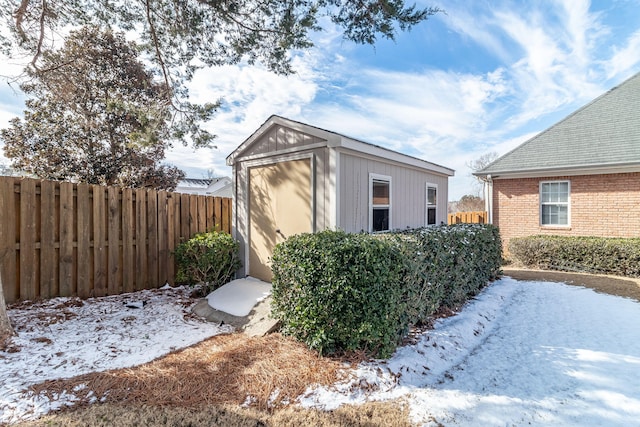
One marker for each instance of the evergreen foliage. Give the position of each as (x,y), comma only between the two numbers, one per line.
(339,292)
(207,258)
(600,255)
(95,115)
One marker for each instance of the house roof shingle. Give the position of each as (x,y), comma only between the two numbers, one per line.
(603,134)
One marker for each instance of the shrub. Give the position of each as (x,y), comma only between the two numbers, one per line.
(210,258)
(450,264)
(337,291)
(583,254)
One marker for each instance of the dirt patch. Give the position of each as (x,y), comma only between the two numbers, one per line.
(613,285)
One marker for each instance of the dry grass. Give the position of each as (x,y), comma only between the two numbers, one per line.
(374,414)
(205,385)
(225,369)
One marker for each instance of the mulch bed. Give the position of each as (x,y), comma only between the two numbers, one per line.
(226,369)
(612,285)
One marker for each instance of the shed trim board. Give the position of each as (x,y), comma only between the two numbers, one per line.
(334,189)
(283,152)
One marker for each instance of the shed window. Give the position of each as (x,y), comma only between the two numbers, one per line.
(432,204)
(379,202)
(554,203)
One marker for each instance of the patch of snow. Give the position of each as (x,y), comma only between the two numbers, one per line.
(521,353)
(239,296)
(65,337)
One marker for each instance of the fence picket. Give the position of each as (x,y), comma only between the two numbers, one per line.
(163,238)
(48,256)
(193,214)
(128,234)
(226,214)
(29,288)
(211,220)
(114,285)
(8,254)
(174,232)
(99,244)
(218,214)
(185,217)
(202,213)
(84,256)
(152,237)
(66,240)
(141,239)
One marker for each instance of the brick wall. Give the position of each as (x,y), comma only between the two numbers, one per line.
(600,205)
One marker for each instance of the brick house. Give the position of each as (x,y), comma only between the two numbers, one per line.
(580,177)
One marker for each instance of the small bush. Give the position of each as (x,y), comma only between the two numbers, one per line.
(582,254)
(210,258)
(337,291)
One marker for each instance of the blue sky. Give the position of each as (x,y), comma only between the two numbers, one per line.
(482,77)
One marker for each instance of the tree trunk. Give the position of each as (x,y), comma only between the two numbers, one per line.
(5,325)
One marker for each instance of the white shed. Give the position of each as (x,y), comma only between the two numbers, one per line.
(291,178)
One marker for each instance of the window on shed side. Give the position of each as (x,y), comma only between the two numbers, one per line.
(432,204)
(379,202)
(554,203)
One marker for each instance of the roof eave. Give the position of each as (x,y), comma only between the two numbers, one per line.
(561,171)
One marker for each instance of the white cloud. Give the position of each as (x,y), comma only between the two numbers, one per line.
(625,59)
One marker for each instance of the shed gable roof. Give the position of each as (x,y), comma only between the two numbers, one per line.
(334,140)
(602,135)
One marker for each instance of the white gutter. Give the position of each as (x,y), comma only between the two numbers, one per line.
(488,197)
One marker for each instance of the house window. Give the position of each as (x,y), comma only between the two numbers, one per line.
(379,202)
(554,203)
(432,204)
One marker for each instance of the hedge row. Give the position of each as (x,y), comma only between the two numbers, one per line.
(449,264)
(337,291)
(603,255)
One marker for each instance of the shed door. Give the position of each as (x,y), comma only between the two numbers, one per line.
(279,207)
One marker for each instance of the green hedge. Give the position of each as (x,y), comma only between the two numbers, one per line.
(583,254)
(449,264)
(337,291)
(207,258)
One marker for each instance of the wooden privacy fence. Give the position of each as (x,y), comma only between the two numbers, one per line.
(479,217)
(64,239)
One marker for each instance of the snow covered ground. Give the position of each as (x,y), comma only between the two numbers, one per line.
(521,353)
(64,337)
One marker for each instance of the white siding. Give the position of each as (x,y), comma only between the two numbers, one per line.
(280,138)
(408,204)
